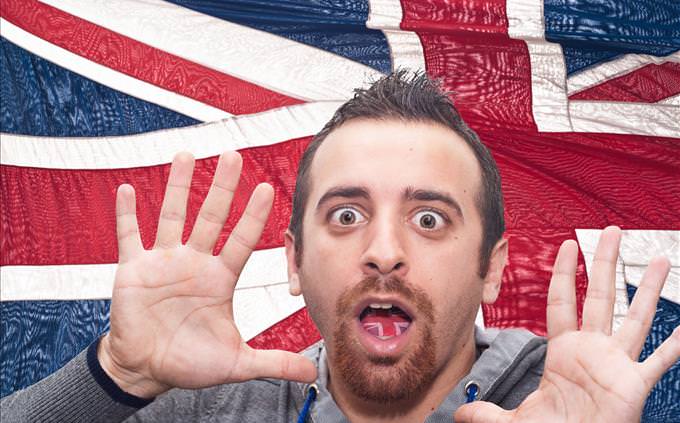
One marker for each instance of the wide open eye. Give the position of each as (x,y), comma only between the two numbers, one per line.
(346,216)
(428,220)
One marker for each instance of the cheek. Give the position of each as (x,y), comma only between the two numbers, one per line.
(453,284)
(321,288)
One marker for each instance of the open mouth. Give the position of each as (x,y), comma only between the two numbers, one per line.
(384,320)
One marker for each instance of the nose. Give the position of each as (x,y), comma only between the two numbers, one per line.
(384,254)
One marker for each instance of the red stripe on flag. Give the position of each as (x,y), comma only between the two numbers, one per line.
(466,45)
(521,302)
(141,61)
(54,216)
(648,84)
(524,292)
(294,333)
(573,180)
(447,17)
(550,181)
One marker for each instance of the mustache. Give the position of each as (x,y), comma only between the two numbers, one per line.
(386,285)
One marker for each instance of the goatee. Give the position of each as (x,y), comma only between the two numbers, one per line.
(384,379)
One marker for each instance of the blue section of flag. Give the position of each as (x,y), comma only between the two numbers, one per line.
(42,99)
(592,31)
(663,404)
(335,26)
(39,337)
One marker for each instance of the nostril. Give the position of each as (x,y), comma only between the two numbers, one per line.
(373,266)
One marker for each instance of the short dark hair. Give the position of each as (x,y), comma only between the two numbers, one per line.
(409,97)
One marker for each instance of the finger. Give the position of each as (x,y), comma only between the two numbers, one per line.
(561,310)
(215,208)
(598,307)
(127,230)
(635,327)
(482,412)
(174,208)
(662,359)
(245,235)
(277,365)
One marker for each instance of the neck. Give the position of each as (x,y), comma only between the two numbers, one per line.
(417,409)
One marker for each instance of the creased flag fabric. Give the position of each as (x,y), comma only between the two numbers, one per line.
(578,101)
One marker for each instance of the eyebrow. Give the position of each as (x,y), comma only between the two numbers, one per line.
(411,194)
(343,192)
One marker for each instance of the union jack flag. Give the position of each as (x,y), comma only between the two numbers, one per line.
(579,102)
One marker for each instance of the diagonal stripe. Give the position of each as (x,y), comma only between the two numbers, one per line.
(156,148)
(605,71)
(649,84)
(124,55)
(336,27)
(552,110)
(267,60)
(110,77)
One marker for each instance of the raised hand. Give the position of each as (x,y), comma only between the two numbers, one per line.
(172,322)
(590,374)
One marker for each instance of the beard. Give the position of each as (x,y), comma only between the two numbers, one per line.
(378,379)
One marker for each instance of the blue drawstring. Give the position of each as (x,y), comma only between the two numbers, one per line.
(311,396)
(471,390)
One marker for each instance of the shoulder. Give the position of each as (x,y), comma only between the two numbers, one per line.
(516,357)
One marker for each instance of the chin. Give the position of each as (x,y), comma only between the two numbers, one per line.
(384,379)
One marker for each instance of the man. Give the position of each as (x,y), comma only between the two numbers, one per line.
(395,240)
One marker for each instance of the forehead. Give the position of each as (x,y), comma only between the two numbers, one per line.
(387,156)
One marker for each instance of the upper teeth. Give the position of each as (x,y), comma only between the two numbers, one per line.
(381,305)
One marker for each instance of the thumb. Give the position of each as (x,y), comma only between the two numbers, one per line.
(481,412)
(278,365)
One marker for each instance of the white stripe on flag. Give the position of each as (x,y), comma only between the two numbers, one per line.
(406,50)
(261,298)
(552,110)
(675,100)
(656,119)
(637,248)
(95,281)
(274,62)
(159,147)
(109,77)
(525,19)
(549,102)
(598,74)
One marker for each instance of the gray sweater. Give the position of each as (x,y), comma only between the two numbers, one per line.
(508,368)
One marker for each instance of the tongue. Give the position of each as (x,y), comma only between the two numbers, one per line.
(383,323)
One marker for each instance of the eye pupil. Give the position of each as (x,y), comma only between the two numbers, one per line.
(428,221)
(347,218)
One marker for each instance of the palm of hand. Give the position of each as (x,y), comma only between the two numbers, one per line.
(590,374)
(172,321)
(185,298)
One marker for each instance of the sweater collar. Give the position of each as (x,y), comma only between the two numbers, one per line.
(492,365)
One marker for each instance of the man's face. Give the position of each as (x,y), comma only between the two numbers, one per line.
(390,258)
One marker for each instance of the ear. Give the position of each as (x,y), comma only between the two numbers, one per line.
(493,278)
(293,277)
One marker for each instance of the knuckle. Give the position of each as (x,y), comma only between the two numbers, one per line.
(127,233)
(173,215)
(212,216)
(242,240)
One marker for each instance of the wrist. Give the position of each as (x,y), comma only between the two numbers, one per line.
(129,381)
